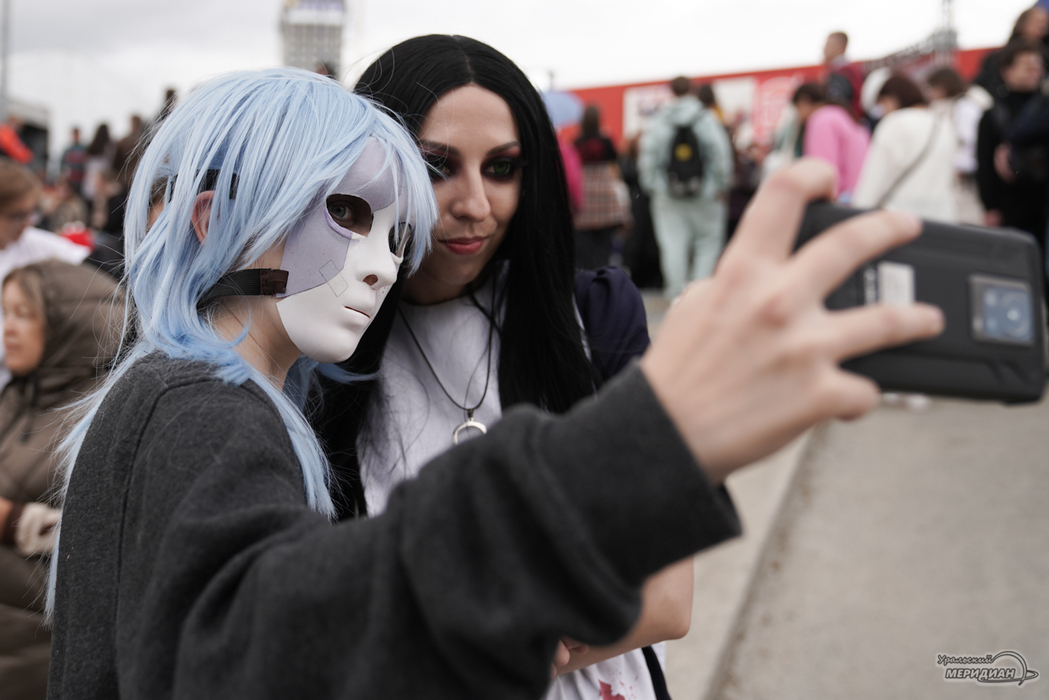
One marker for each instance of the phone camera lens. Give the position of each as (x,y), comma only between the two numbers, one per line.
(1007,314)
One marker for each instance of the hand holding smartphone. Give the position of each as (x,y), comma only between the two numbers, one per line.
(988,282)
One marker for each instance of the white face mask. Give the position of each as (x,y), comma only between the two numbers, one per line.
(342,258)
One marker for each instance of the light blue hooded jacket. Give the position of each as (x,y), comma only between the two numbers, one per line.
(714,147)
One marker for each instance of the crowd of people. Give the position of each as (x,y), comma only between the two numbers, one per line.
(279,479)
(922,141)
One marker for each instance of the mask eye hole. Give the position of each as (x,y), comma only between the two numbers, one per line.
(400,235)
(349,212)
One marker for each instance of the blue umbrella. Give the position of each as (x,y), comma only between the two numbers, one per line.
(563,107)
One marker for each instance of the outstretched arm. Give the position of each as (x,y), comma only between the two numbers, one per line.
(666,613)
(750,358)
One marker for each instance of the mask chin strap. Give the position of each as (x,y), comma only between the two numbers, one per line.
(250,283)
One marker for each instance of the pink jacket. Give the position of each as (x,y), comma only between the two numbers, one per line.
(834,136)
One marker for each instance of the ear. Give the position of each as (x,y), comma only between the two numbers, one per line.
(201,214)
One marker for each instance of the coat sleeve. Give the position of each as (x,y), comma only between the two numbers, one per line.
(230,587)
(1032,124)
(987,180)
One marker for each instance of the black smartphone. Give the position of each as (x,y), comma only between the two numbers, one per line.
(989,284)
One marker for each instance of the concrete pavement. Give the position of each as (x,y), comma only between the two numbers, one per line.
(872,548)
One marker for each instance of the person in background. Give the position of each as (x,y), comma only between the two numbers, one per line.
(20,243)
(843,80)
(170,100)
(11,141)
(705,94)
(1012,197)
(61,329)
(127,151)
(688,223)
(1029,134)
(1031,26)
(967,105)
(61,206)
(828,132)
(606,208)
(99,158)
(641,251)
(910,164)
(73,162)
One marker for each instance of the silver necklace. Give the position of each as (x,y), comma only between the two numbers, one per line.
(469,412)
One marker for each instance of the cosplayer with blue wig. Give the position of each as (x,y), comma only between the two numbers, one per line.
(198,553)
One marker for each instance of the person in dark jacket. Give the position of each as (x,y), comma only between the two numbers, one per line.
(59,325)
(1011,198)
(198,555)
(1031,26)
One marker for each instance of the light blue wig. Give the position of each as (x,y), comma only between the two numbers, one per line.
(282,140)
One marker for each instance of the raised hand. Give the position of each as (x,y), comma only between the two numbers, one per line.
(750,358)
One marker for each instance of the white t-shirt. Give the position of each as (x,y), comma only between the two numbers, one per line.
(35,245)
(412,421)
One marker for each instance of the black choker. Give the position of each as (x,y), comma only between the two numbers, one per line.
(250,283)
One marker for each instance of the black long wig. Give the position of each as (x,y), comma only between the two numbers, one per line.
(542,359)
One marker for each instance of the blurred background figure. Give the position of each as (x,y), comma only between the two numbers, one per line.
(126,152)
(325,69)
(689,215)
(828,132)
(967,105)
(11,141)
(1031,26)
(910,164)
(705,94)
(641,251)
(1027,144)
(99,158)
(749,161)
(20,243)
(1012,187)
(843,80)
(61,328)
(61,205)
(170,100)
(606,200)
(72,163)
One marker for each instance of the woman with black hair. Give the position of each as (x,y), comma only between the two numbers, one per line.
(496,315)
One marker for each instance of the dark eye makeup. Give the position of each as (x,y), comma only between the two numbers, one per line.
(442,166)
(503,167)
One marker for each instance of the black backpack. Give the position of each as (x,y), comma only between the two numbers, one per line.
(685,169)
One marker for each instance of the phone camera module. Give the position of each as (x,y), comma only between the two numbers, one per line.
(1002,310)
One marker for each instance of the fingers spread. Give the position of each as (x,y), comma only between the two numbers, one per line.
(826,261)
(770,224)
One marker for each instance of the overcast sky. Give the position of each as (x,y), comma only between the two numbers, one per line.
(142,46)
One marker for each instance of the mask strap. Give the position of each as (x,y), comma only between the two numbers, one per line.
(247,283)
